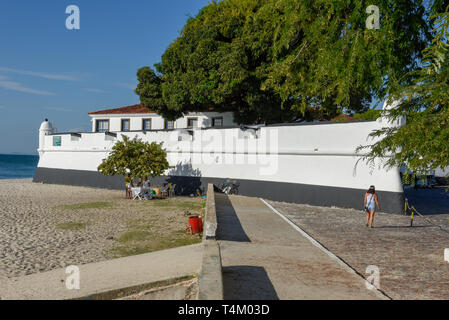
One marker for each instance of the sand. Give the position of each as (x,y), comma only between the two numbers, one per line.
(32,241)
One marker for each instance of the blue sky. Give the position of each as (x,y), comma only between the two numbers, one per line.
(47,71)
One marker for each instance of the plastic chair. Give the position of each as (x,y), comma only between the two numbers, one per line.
(165,191)
(137,193)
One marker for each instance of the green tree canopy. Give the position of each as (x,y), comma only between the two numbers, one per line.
(135,159)
(369,115)
(423,143)
(276,60)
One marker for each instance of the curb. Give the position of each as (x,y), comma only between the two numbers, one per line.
(108,279)
(125,292)
(210,219)
(210,282)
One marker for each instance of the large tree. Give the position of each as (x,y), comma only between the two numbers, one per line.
(134,158)
(279,60)
(423,142)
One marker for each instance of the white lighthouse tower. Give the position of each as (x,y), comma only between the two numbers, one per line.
(46,128)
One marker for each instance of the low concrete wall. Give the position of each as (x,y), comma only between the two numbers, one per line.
(210,278)
(109,279)
(210,219)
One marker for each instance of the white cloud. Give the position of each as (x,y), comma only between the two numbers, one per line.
(51,76)
(16,86)
(93,90)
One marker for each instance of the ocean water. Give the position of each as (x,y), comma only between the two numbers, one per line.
(17,166)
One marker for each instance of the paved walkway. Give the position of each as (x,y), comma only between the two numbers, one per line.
(264,257)
(108,279)
(410,260)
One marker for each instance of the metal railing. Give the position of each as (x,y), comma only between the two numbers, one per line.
(410,208)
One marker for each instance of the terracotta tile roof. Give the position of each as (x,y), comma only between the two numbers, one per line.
(137,108)
(344,118)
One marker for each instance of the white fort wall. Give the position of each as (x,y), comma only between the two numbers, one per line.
(314,164)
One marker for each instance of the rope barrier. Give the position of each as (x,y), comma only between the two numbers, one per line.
(413,211)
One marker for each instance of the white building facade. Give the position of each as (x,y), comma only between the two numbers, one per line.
(140,118)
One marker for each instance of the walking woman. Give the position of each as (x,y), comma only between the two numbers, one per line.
(370,203)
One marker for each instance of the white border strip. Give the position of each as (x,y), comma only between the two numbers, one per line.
(322,248)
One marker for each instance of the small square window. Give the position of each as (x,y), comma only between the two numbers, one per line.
(169,124)
(146,124)
(217,122)
(102,126)
(125,124)
(192,122)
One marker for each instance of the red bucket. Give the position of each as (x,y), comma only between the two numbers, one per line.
(196,223)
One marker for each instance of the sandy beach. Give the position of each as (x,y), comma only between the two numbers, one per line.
(34,217)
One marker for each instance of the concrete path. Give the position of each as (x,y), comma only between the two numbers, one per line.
(108,279)
(264,257)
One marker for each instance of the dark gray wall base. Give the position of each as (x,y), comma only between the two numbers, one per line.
(391,202)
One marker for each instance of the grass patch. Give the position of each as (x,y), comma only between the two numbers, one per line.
(134,235)
(83,206)
(139,241)
(71,226)
(183,204)
(161,227)
(155,244)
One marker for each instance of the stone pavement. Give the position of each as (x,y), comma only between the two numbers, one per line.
(410,260)
(263,257)
(109,279)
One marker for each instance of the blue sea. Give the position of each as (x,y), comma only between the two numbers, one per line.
(17,166)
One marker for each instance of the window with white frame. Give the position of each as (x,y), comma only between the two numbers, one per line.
(146,124)
(125,125)
(169,124)
(217,122)
(102,126)
(192,122)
